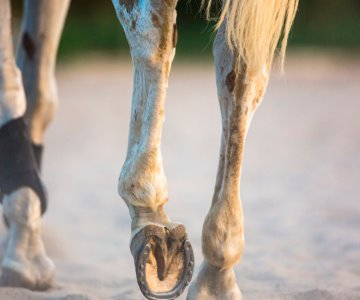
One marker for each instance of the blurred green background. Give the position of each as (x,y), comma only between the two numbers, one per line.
(92,26)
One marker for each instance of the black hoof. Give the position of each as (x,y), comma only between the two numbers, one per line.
(149,249)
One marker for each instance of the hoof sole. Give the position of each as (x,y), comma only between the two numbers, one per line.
(142,258)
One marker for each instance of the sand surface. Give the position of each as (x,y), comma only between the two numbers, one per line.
(300,184)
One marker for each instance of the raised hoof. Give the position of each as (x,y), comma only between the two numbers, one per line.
(164,261)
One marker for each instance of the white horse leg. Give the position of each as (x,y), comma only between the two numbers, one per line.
(24,199)
(163,256)
(36,57)
(25,263)
(243,51)
(12,98)
(223,230)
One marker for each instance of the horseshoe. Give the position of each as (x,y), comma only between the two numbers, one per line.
(180,286)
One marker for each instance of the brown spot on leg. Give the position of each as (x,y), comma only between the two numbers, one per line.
(175,36)
(162,30)
(230,81)
(167,68)
(259,94)
(28,45)
(129,4)
(156,21)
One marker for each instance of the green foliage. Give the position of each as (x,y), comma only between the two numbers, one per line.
(327,23)
(92,26)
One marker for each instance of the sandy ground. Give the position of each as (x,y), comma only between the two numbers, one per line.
(300,184)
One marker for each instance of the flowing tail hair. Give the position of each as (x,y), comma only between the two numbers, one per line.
(254,28)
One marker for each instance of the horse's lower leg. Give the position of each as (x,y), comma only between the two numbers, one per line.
(163,257)
(24,199)
(12,98)
(36,57)
(223,230)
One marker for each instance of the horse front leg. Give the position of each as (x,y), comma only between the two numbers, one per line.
(223,230)
(24,199)
(163,256)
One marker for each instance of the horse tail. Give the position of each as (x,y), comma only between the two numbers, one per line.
(253,29)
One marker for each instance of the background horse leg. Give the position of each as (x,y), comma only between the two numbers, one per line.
(223,230)
(36,57)
(24,198)
(12,98)
(163,256)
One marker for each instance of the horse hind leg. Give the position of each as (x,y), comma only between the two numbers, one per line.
(26,263)
(242,75)
(36,58)
(163,256)
(223,229)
